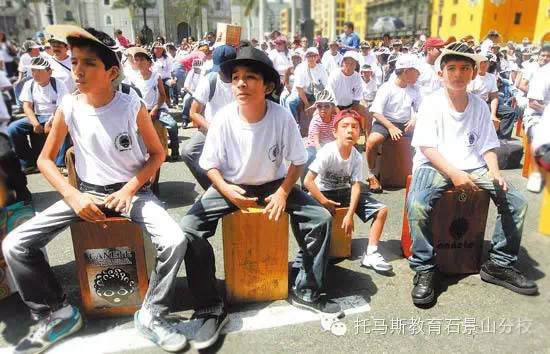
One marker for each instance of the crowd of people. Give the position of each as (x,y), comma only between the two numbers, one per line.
(456,99)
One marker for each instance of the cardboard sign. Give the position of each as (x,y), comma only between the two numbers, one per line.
(228,34)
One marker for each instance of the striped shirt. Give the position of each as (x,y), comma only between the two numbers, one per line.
(320,128)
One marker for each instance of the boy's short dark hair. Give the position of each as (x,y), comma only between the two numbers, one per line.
(454,57)
(349,24)
(106,55)
(399,71)
(258,69)
(545,48)
(144,56)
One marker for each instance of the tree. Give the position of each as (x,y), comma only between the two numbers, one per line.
(133,5)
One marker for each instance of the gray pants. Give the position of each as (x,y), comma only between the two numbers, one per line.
(36,282)
(191,154)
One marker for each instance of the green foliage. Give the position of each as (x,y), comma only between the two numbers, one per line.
(133,4)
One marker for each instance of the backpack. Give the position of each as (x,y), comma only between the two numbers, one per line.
(52,82)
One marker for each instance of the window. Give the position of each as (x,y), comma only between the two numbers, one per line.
(69,16)
(108,20)
(453,20)
(471,18)
(67,2)
(107,2)
(218,6)
(517,18)
(27,23)
(455,2)
(8,4)
(495,17)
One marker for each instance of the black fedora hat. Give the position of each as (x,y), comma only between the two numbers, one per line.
(251,55)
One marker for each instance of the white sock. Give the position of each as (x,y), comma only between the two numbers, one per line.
(64,312)
(371,249)
(145,316)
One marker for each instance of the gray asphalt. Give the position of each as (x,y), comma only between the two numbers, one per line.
(502,320)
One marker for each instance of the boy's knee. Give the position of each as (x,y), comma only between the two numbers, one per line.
(382,213)
(417,210)
(8,247)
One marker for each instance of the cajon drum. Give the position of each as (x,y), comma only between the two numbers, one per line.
(340,244)
(6,284)
(162,133)
(544,218)
(458,232)
(527,157)
(111,266)
(396,162)
(519,128)
(255,251)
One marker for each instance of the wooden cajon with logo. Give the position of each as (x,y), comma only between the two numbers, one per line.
(458,227)
(110,261)
(340,244)
(255,251)
(396,162)
(544,217)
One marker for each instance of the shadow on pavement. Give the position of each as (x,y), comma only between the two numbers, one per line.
(177,194)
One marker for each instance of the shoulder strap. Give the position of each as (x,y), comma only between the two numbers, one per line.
(60,63)
(212,79)
(53,83)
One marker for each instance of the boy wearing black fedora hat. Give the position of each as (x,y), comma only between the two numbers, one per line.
(245,155)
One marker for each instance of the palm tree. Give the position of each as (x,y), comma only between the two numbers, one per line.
(133,5)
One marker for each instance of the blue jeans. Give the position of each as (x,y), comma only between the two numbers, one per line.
(311,226)
(426,188)
(18,132)
(179,73)
(166,119)
(191,154)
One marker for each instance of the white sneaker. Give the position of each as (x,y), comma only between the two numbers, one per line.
(160,332)
(376,262)
(535,182)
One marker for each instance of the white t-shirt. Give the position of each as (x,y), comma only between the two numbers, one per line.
(331,62)
(4,82)
(305,77)
(25,64)
(149,89)
(192,80)
(345,89)
(428,81)
(62,70)
(462,138)
(280,61)
(163,66)
(369,89)
(542,130)
(108,146)
(483,85)
(396,103)
(368,59)
(44,99)
(539,89)
(256,153)
(333,172)
(222,96)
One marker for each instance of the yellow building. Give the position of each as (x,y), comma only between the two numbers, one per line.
(329,16)
(542,29)
(284,20)
(513,19)
(356,12)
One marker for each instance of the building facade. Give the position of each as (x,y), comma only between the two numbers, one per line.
(356,12)
(20,20)
(329,16)
(513,19)
(542,27)
(415,14)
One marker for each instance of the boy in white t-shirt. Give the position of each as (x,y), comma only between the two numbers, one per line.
(334,180)
(249,145)
(484,85)
(370,87)
(332,59)
(40,97)
(109,129)
(541,142)
(455,141)
(393,107)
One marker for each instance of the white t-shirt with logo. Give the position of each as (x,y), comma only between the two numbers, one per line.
(369,89)
(483,85)
(61,69)
(396,103)
(428,81)
(333,172)
(108,146)
(345,89)
(44,99)
(253,153)
(222,96)
(461,137)
(305,77)
(331,62)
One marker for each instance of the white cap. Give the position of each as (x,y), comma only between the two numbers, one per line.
(407,61)
(352,54)
(312,50)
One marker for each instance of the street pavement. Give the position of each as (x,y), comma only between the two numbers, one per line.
(469,316)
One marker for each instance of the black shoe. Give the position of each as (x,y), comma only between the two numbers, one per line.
(423,292)
(173,158)
(507,277)
(210,329)
(30,170)
(320,306)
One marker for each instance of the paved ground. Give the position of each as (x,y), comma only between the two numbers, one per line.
(469,316)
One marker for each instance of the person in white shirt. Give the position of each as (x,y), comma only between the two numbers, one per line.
(490,40)
(332,59)
(280,55)
(541,141)
(30,50)
(455,141)
(61,63)
(309,76)
(366,56)
(429,81)
(162,65)
(485,87)
(369,93)
(40,96)
(211,95)
(393,109)
(345,84)
(191,81)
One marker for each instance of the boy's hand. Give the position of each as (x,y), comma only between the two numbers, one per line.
(236,195)
(276,204)
(395,132)
(48,127)
(38,128)
(410,125)
(464,182)
(120,201)
(498,180)
(347,225)
(330,205)
(84,205)
(496,122)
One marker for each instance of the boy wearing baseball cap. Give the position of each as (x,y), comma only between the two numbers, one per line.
(109,129)
(249,145)
(334,180)
(393,108)
(455,141)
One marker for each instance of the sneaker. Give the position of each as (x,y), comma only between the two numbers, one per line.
(49,331)
(160,332)
(376,262)
(507,277)
(535,182)
(210,329)
(374,185)
(320,306)
(423,292)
